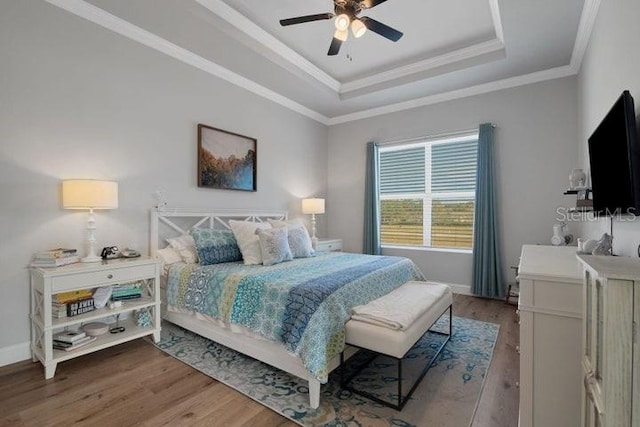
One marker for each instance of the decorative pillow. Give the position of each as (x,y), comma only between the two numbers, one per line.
(277,223)
(274,244)
(216,246)
(246,235)
(299,239)
(168,256)
(186,247)
(300,242)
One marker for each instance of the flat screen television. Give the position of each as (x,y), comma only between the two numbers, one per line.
(614,157)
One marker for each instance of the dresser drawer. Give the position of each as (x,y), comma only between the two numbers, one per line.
(93,279)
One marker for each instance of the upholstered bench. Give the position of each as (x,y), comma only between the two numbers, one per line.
(393,324)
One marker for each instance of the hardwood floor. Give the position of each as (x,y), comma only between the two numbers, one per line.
(137,384)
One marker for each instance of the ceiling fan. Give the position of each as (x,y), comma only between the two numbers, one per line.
(346,14)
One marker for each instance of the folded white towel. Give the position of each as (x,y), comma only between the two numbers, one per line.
(401,307)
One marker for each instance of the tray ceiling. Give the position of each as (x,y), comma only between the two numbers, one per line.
(449,49)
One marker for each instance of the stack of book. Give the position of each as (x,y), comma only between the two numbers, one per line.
(55,257)
(126,291)
(70,340)
(69,304)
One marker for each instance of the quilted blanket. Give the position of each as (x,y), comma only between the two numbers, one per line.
(302,304)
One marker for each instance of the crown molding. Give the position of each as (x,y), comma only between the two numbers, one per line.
(268,42)
(120,26)
(419,67)
(539,76)
(587,22)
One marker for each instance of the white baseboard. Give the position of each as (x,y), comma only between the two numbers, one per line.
(15,353)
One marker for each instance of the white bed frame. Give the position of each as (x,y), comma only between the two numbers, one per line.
(171,222)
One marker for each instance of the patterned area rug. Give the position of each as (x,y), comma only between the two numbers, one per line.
(447,396)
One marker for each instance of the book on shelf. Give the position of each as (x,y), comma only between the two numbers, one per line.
(125,297)
(54,262)
(69,347)
(56,253)
(69,337)
(66,297)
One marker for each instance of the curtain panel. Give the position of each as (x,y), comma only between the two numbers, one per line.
(487,273)
(371,241)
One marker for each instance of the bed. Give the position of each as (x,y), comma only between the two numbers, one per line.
(289,315)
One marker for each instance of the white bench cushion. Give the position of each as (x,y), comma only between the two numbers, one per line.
(396,343)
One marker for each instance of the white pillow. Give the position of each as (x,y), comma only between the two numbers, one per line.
(168,256)
(274,246)
(186,247)
(246,234)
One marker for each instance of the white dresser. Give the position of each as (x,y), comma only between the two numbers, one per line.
(611,358)
(550,336)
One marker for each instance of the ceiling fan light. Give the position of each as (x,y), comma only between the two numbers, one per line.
(358,28)
(341,35)
(342,22)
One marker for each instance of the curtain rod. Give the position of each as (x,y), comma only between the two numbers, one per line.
(428,137)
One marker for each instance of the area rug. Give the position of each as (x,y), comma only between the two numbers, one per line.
(446,397)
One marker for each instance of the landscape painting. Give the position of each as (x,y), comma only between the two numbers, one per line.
(226,160)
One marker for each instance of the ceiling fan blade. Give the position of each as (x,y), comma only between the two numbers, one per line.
(335,47)
(368,4)
(382,29)
(306,18)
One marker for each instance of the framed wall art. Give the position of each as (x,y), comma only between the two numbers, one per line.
(226,160)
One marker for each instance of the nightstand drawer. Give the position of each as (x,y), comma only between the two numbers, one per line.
(329,245)
(102,278)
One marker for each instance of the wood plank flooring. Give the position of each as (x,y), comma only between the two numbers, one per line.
(136,384)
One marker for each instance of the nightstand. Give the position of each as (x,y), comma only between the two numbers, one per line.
(329,245)
(46,282)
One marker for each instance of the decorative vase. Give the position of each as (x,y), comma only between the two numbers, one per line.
(577,179)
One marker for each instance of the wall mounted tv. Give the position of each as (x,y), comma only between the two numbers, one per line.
(614,156)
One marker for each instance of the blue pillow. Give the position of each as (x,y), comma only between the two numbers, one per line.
(216,246)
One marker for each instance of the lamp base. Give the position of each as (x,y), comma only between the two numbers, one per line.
(91,258)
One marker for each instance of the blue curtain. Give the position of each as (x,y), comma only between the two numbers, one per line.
(371,243)
(487,273)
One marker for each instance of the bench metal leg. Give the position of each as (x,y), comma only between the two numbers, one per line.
(402,400)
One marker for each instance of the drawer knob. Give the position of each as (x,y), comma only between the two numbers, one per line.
(109,276)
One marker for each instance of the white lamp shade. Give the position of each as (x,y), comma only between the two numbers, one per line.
(312,206)
(358,28)
(341,35)
(89,194)
(342,22)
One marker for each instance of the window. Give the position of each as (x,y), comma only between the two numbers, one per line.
(427,193)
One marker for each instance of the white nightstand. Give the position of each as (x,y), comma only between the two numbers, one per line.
(329,245)
(46,282)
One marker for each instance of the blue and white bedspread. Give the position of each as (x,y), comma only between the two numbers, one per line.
(302,304)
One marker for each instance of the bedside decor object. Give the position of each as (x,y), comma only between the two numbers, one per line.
(577,179)
(313,206)
(604,245)
(90,194)
(95,329)
(226,160)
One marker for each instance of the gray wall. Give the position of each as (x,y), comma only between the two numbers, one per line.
(611,65)
(536,134)
(78,101)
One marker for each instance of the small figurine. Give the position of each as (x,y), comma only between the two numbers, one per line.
(604,245)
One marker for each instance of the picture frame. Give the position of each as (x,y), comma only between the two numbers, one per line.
(226,160)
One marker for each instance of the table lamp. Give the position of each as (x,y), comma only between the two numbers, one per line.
(90,194)
(313,207)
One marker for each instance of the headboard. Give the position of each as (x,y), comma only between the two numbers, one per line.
(172,222)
